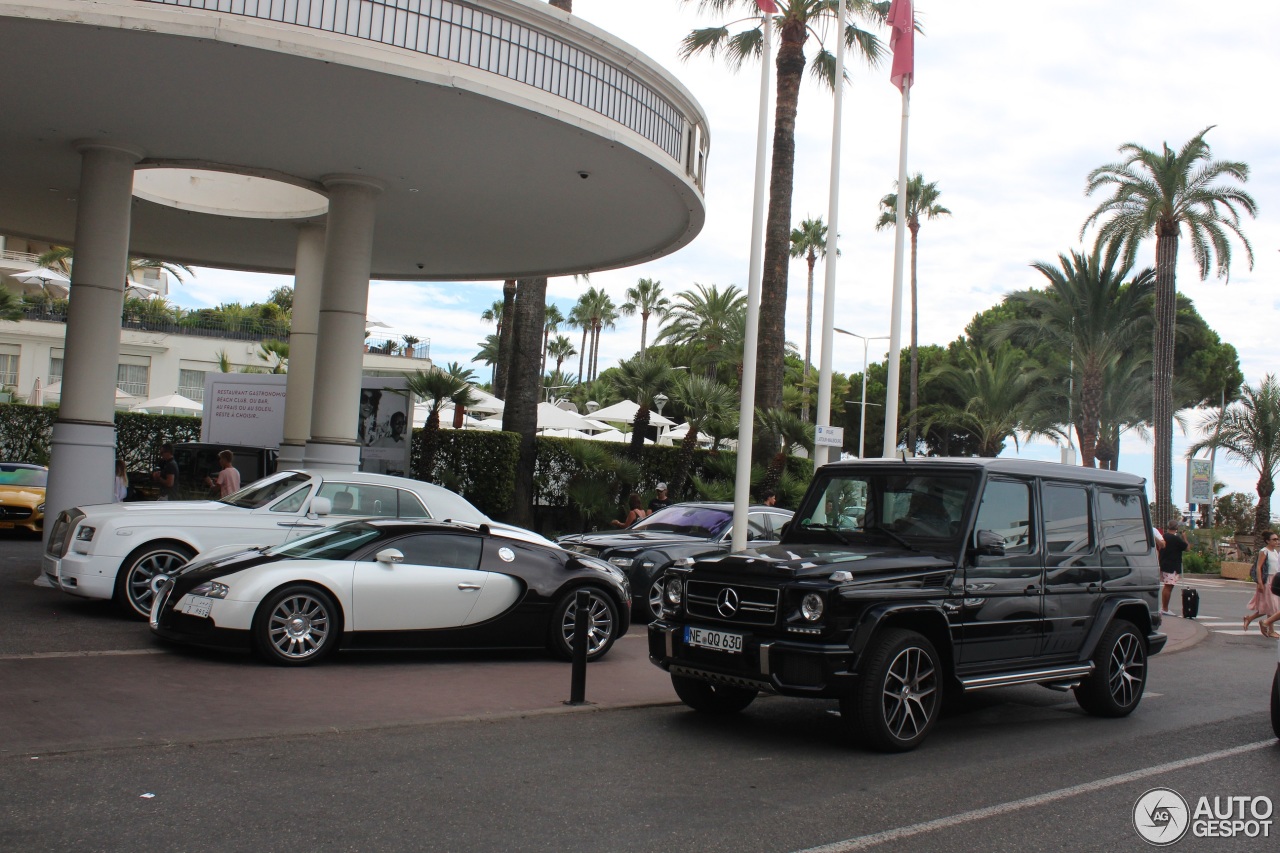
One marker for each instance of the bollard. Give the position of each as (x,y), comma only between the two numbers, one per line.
(581,622)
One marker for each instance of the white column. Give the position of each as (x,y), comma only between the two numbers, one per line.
(83,448)
(308,275)
(344,300)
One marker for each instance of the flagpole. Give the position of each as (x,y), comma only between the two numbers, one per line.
(822,453)
(747,404)
(895,314)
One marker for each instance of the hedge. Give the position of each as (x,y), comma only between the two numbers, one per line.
(26,433)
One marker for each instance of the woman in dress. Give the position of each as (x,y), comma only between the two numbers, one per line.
(1265,605)
(122,481)
(634,514)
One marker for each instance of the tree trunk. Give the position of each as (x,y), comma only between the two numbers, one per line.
(1090,408)
(1262,514)
(595,348)
(913,398)
(504,338)
(808,336)
(582,356)
(644,330)
(638,428)
(777,236)
(1162,375)
(685,466)
(521,412)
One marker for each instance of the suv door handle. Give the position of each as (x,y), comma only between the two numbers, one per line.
(1032,590)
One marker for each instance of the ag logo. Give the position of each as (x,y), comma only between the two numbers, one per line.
(1161,816)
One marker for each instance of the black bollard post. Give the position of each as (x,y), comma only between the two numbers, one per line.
(581,622)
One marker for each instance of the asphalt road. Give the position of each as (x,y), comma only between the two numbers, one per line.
(1013,769)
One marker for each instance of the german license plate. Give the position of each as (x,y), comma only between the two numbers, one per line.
(197,605)
(721,641)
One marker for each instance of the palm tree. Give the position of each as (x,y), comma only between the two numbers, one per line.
(552,318)
(704,319)
(809,241)
(604,316)
(465,395)
(561,348)
(640,379)
(701,398)
(796,21)
(410,341)
(1002,393)
(786,432)
(1249,430)
(1090,315)
(61,258)
(275,354)
(488,354)
(645,299)
(580,318)
(1126,405)
(503,364)
(520,413)
(1161,193)
(436,388)
(10,305)
(922,200)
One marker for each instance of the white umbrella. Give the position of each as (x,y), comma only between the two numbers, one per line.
(486,403)
(625,413)
(565,433)
(168,402)
(43,280)
(552,417)
(35,392)
(610,435)
(54,389)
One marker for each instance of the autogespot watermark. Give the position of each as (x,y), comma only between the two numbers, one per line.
(1163,817)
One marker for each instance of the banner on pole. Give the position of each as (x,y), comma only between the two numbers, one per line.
(902,41)
(1199,481)
(767,6)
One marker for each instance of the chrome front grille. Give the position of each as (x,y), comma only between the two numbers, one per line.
(732,602)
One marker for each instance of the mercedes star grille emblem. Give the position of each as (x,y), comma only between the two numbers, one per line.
(727,602)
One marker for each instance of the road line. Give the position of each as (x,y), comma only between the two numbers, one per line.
(111,653)
(865,841)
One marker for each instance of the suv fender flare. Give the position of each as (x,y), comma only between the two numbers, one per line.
(1134,610)
(927,618)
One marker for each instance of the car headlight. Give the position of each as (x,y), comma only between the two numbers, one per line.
(674,592)
(811,607)
(85,534)
(211,589)
(622,562)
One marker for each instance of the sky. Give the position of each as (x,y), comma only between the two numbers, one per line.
(1014,104)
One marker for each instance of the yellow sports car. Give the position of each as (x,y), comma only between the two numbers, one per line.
(22,496)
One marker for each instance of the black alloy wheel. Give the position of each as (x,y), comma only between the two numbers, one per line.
(133,593)
(899,698)
(602,624)
(1120,673)
(711,698)
(296,625)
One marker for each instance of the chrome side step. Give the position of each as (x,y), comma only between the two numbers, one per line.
(1058,678)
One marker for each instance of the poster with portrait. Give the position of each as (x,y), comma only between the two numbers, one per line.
(384,430)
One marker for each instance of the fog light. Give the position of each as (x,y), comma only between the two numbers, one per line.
(811,607)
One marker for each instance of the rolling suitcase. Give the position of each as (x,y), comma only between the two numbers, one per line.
(1190,603)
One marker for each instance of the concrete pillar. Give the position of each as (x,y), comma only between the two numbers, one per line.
(83,449)
(308,272)
(344,302)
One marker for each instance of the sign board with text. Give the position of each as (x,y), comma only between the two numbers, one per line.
(1199,481)
(828,436)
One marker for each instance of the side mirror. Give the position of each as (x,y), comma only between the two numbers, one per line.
(988,543)
(321,506)
(389,555)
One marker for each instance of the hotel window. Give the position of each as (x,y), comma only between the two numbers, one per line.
(191,384)
(9,364)
(132,375)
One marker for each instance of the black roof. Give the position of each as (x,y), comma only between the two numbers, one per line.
(998,465)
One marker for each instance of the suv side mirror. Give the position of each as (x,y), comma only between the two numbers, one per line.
(988,543)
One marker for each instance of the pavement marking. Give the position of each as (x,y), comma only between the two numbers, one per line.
(865,841)
(110,653)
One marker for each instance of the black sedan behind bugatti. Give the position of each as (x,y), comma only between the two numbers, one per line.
(392,584)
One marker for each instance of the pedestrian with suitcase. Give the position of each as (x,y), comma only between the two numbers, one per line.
(1265,606)
(1170,564)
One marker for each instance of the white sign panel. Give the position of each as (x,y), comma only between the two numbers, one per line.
(243,409)
(828,436)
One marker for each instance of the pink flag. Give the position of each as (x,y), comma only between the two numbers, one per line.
(767,6)
(902,41)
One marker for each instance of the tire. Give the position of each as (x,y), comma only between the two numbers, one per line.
(1120,673)
(602,628)
(899,697)
(1275,702)
(133,592)
(297,625)
(709,698)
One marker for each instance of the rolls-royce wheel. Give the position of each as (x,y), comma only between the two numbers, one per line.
(710,698)
(653,601)
(133,592)
(296,625)
(899,698)
(602,624)
(1120,673)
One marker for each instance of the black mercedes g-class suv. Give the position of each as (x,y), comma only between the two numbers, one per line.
(899,580)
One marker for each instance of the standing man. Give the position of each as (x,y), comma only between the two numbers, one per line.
(228,478)
(1170,563)
(166,474)
(661,500)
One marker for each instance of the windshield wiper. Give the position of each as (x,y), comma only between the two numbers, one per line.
(894,536)
(839,532)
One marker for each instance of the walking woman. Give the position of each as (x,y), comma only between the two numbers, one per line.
(1265,604)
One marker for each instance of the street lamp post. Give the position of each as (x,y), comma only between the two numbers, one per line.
(862,430)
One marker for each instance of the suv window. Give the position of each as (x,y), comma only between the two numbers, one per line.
(1067,530)
(1124,530)
(1006,510)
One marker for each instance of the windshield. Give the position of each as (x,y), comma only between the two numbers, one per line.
(263,492)
(20,475)
(903,505)
(335,543)
(688,520)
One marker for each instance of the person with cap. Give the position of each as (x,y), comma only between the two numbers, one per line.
(660,500)
(1170,564)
